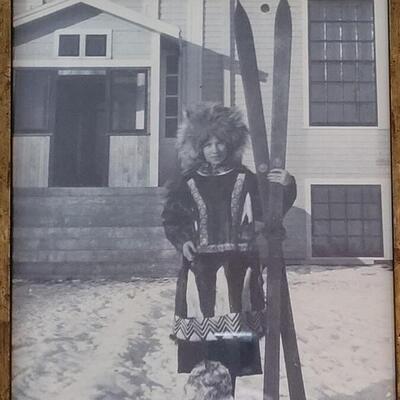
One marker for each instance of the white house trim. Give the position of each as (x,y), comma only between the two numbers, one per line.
(386,202)
(306,92)
(107,6)
(151,8)
(382,63)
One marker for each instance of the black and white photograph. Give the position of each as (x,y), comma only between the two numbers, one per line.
(202,200)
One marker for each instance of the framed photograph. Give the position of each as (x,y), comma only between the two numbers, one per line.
(202,199)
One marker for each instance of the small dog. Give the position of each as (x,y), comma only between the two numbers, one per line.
(209,380)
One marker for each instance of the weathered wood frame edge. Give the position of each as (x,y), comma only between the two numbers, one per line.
(5,182)
(394,63)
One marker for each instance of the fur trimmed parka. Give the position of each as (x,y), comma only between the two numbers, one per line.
(220,293)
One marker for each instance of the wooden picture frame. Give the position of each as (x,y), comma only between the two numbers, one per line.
(5,200)
(394,40)
(5,182)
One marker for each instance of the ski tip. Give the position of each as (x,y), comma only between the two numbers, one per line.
(239,7)
(240,17)
(283,6)
(283,13)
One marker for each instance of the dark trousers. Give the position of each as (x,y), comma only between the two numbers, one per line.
(205,268)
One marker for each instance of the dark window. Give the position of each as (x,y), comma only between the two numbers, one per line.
(128,101)
(342,73)
(96,45)
(68,45)
(31,95)
(346,221)
(171,95)
(172,64)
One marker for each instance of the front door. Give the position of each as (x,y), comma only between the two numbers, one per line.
(80,148)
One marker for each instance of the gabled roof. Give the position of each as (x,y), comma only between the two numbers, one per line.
(107,6)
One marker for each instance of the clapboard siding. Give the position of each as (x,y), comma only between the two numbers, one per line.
(216,41)
(175,12)
(30,161)
(129,40)
(129,161)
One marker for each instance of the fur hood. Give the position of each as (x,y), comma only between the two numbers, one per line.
(204,121)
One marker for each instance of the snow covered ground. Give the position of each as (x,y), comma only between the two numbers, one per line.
(109,340)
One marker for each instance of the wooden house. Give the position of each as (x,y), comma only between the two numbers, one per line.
(99,90)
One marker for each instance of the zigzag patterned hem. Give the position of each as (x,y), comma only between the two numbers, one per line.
(244,325)
(220,248)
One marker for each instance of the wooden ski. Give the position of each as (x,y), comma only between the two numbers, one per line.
(252,91)
(280,107)
(272,195)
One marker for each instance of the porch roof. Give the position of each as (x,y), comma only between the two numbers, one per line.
(107,6)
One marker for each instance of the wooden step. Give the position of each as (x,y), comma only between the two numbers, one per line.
(112,208)
(91,271)
(134,200)
(142,243)
(121,217)
(86,191)
(88,233)
(111,256)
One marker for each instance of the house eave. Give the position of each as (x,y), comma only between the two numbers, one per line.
(107,6)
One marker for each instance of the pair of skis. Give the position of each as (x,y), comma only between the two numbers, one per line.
(279,312)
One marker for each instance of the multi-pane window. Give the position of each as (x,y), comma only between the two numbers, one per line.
(96,45)
(346,221)
(31,97)
(171,95)
(342,76)
(68,45)
(77,44)
(128,101)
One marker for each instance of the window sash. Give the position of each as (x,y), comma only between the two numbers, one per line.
(128,101)
(95,45)
(32,100)
(69,45)
(172,95)
(346,221)
(342,70)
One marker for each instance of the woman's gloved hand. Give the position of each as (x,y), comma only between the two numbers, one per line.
(281,176)
(189,250)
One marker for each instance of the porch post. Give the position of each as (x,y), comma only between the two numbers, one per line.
(151,8)
(154,108)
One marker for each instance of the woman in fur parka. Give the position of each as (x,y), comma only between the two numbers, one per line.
(210,217)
